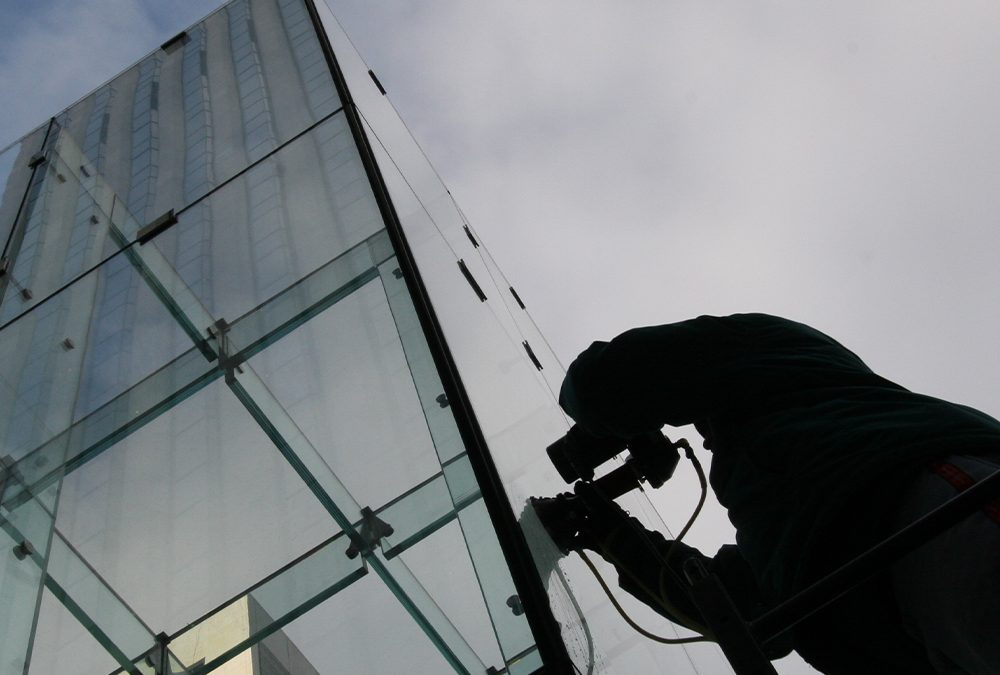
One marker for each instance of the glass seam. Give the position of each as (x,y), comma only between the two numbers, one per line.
(518,557)
(177,213)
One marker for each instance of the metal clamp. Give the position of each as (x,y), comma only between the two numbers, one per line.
(371,532)
(229,364)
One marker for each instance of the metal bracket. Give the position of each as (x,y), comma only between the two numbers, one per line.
(23,550)
(373,529)
(156,658)
(174,42)
(155,227)
(227,362)
(36,160)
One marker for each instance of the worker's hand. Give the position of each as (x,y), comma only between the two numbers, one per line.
(585,519)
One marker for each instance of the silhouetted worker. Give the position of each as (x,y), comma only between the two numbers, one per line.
(816,458)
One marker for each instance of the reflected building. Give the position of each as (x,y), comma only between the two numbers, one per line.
(267,405)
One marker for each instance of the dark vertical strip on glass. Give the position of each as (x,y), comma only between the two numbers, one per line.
(378,84)
(515,546)
(531,354)
(520,303)
(468,233)
(472,281)
(12,240)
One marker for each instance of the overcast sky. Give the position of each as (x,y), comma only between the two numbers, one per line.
(641,162)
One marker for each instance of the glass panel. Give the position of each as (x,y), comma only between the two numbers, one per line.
(96,607)
(327,570)
(343,379)
(15,173)
(61,231)
(515,402)
(267,607)
(360,630)
(189,511)
(278,222)
(332,387)
(77,351)
(428,507)
(312,295)
(497,586)
(63,645)
(423,371)
(24,539)
(242,82)
(91,434)
(445,583)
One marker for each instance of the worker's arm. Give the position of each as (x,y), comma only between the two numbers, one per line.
(650,567)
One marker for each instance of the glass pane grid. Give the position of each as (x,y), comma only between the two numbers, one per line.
(515,398)
(230,440)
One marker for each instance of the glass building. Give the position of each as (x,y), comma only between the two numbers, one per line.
(267,405)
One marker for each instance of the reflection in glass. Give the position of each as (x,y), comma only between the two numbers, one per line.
(275,224)
(197,499)
(228,441)
(15,174)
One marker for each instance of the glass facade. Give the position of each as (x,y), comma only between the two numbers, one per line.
(226,440)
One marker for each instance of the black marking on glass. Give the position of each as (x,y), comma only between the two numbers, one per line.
(378,84)
(468,233)
(531,354)
(517,297)
(472,281)
(175,42)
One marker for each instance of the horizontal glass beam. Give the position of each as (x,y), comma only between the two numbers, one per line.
(68,166)
(323,572)
(95,605)
(191,371)
(321,480)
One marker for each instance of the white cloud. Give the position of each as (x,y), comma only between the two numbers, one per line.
(57,52)
(834,162)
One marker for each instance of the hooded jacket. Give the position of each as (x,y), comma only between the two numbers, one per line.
(810,447)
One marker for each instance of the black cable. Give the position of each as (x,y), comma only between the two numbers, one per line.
(639,629)
(661,597)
